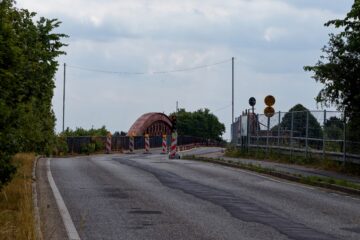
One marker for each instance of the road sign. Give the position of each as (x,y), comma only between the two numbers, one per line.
(269,111)
(252,101)
(269,100)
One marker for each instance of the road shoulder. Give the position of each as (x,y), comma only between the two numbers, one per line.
(51,223)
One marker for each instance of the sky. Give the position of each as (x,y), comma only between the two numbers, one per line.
(271,41)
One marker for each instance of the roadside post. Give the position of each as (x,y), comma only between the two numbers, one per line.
(108,143)
(173,148)
(269,111)
(164,144)
(251,121)
(131,143)
(147,144)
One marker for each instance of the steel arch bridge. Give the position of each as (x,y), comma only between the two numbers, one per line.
(153,123)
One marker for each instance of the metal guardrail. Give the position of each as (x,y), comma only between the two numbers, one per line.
(321,133)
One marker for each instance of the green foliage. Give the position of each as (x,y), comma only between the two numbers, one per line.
(299,122)
(333,128)
(81,132)
(200,123)
(88,148)
(60,146)
(339,68)
(28,52)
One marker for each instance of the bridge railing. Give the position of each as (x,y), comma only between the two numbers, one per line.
(320,134)
(88,144)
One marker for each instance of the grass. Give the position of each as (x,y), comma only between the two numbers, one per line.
(310,180)
(16,205)
(311,161)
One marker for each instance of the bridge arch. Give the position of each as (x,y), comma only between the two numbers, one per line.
(153,123)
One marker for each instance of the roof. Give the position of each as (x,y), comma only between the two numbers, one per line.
(143,122)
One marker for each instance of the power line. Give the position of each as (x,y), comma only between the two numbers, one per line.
(222,108)
(144,73)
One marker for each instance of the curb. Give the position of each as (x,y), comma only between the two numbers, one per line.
(38,234)
(286,176)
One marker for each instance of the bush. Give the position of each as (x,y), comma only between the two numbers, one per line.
(6,169)
(99,144)
(87,148)
(60,146)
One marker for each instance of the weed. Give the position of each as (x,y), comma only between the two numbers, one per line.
(16,211)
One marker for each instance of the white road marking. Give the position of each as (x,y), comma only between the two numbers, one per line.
(69,224)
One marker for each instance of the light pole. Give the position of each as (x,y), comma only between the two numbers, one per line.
(63,119)
(232,116)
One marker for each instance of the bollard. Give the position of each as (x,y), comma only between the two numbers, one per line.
(173,145)
(131,143)
(147,144)
(164,147)
(108,143)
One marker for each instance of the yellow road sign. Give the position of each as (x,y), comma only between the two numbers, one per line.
(269,111)
(269,100)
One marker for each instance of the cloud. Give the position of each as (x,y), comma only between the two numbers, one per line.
(271,40)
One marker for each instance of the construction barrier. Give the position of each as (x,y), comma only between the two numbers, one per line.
(147,143)
(164,145)
(108,143)
(131,144)
(173,147)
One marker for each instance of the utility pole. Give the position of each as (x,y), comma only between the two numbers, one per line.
(232,116)
(63,120)
(177,106)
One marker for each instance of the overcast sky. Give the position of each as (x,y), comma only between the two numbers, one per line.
(271,41)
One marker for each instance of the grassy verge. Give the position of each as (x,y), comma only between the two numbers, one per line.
(311,161)
(312,180)
(16,209)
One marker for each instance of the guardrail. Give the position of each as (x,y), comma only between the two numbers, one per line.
(121,143)
(309,133)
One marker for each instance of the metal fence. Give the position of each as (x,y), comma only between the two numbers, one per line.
(307,133)
(121,143)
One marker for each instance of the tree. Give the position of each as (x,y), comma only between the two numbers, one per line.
(333,128)
(339,68)
(298,115)
(28,52)
(200,123)
(81,132)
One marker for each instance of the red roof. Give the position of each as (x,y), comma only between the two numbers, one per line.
(143,122)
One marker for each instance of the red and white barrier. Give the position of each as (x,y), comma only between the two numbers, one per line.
(108,143)
(131,144)
(164,145)
(173,145)
(147,143)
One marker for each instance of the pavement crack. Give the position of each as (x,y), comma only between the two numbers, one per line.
(239,207)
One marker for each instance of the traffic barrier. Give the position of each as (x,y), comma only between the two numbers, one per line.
(108,143)
(173,147)
(131,144)
(147,144)
(164,145)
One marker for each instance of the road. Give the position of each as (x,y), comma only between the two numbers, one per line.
(151,197)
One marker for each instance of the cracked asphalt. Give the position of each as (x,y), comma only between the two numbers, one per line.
(151,197)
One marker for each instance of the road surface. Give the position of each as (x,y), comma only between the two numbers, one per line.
(151,197)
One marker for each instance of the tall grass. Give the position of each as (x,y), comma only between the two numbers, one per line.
(16,209)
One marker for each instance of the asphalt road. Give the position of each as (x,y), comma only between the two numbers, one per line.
(150,197)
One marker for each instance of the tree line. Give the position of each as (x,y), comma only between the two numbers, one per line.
(28,52)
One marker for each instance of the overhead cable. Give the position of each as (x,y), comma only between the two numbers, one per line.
(153,72)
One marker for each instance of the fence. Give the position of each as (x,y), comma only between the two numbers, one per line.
(121,143)
(308,133)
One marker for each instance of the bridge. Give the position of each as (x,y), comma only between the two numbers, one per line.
(153,123)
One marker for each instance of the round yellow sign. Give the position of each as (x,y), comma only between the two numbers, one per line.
(269,111)
(269,100)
